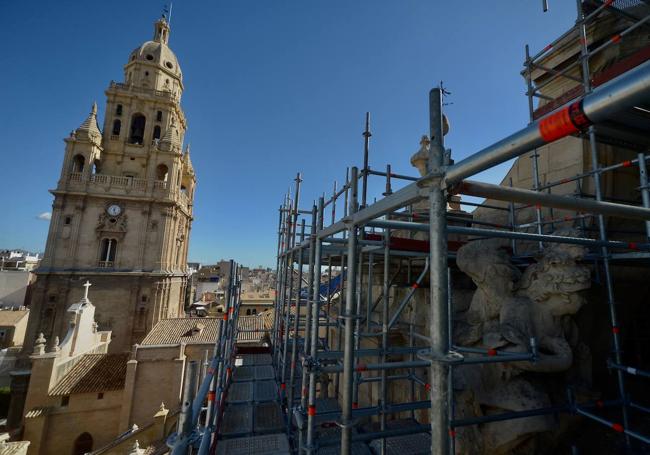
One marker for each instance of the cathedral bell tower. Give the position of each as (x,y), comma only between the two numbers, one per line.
(122,207)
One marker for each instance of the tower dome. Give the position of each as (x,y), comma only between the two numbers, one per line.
(153,64)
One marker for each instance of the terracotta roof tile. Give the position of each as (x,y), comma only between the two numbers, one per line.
(37,412)
(94,373)
(183,330)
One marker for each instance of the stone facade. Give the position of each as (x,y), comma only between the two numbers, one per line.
(122,213)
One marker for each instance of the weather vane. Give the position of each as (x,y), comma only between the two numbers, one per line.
(167,12)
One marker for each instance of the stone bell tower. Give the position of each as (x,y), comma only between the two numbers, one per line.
(122,207)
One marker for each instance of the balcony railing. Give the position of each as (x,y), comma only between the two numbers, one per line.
(104,182)
(148,91)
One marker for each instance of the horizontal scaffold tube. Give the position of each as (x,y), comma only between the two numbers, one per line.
(512,235)
(618,94)
(504,193)
(377,366)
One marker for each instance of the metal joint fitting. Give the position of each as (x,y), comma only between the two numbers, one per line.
(450,358)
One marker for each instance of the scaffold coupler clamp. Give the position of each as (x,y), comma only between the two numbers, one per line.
(299,414)
(348,317)
(310,364)
(433,178)
(450,358)
(352,423)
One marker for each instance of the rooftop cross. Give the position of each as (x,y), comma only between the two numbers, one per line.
(86,285)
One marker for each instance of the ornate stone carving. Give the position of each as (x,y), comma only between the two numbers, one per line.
(507,310)
(39,345)
(111,224)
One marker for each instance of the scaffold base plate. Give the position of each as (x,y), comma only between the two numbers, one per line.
(268,444)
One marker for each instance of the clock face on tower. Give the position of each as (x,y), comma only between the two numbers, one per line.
(114,210)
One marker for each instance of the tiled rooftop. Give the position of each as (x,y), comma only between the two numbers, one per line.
(94,373)
(183,330)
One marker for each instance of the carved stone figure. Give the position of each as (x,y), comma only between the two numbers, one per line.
(506,311)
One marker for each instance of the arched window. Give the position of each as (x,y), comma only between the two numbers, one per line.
(248,312)
(117,126)
(97,167)
(254,310)
(118,109)
(138,123)
(156,132)
(78,163)
(83,444)
(162,173)
(107,252)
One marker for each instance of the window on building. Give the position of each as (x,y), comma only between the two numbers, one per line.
(117,126)
(3,335)
(78,163)
(138,122)
(248,312)
(156,132)
(118,109)
(97,166)
(162,173)
(254,310)
(100,396)
(108,252)
(68,220)
(159,116)
(65,401)
(83,444)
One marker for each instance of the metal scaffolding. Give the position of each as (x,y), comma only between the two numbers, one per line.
(325,310)
(203,406)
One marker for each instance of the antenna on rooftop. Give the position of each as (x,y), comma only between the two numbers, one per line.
(445,93)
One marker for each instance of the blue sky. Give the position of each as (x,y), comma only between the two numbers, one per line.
(273,87)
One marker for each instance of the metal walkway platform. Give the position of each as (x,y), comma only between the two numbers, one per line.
(270,444)
(253,422)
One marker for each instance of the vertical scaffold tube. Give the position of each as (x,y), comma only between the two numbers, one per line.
(307,332)
(438,329)
(602,229)
(645,191)
(278,275)
(296,327)
(348,316)
(384,336)
(315,313)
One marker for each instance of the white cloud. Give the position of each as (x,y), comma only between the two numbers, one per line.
(47,216)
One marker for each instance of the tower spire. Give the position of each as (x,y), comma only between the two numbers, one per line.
(161,30)
(89,129)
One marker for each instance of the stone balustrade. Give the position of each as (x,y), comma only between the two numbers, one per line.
(147,91)
(130,185)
